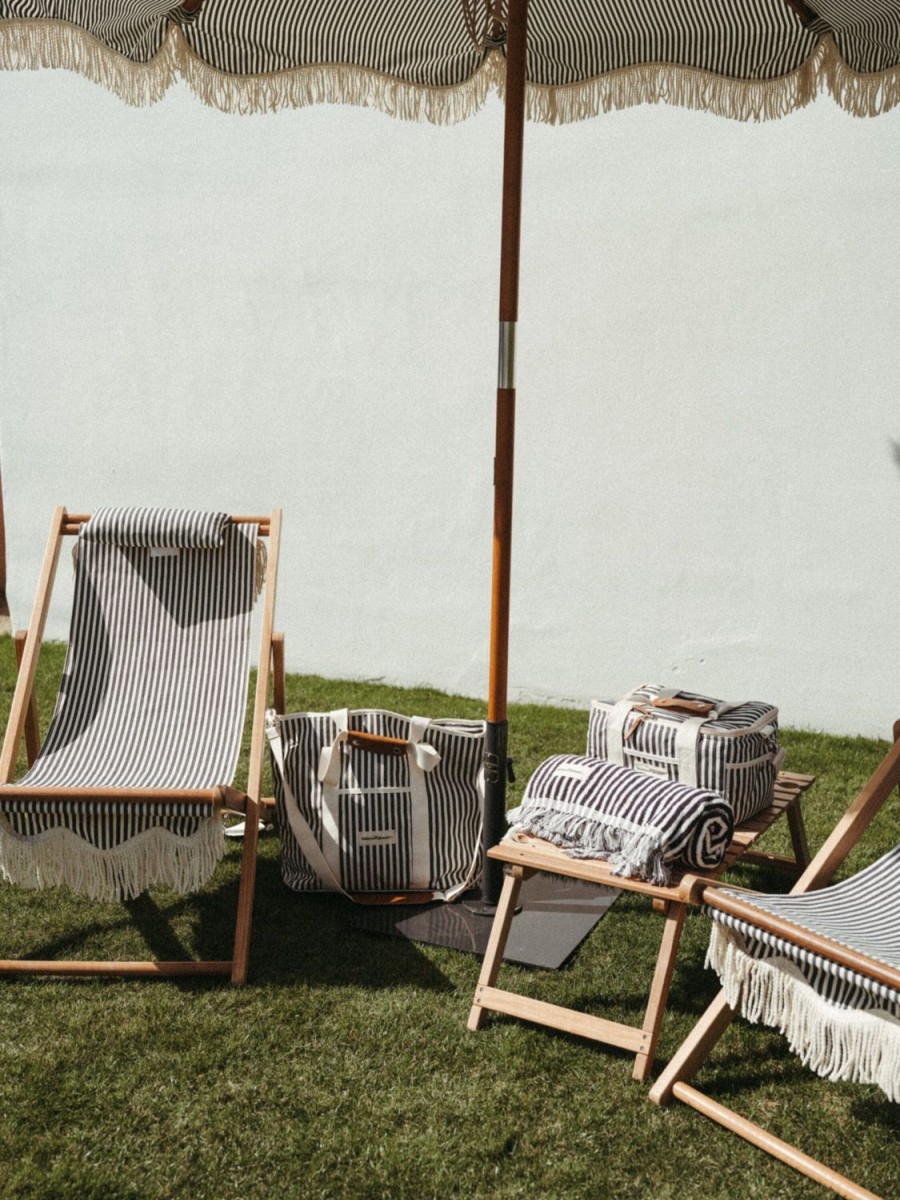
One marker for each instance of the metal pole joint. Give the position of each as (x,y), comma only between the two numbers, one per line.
(506,357)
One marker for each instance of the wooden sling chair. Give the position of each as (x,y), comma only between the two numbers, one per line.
(821,965)
(525,855)
(132,781)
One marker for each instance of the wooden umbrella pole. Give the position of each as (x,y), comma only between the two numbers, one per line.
(496,750)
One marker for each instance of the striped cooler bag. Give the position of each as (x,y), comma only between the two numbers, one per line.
(372,804)
(728,748)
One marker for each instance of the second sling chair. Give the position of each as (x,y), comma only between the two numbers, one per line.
(822,964)
(131,784)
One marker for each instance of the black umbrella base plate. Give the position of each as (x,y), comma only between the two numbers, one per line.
(554,918)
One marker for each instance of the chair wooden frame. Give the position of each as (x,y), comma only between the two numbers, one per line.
(696,1048)
(527,855)
(23,723)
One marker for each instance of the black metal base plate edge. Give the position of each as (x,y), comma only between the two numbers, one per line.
(554,918)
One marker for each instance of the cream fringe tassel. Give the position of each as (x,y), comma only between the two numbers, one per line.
(59,857)
(633,853)
(862,1046)
(30,45)
(739,100)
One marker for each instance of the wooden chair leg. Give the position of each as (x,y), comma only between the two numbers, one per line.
(659,989)
(278,672)
(32,728)
(244,918)
(798,835)
(493,957)
(694,1050)
(784,1151)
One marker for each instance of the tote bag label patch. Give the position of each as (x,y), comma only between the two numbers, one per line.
(377,837)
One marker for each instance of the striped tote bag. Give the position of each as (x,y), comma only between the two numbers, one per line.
(371,802)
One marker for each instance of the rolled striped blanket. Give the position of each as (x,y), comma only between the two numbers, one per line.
(640,823)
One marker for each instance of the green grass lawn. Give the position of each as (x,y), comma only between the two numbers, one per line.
(344,1068)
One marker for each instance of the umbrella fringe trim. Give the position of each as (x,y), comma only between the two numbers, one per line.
(336,83)
(36,44)
(736,99)
(31,45)
(861,95)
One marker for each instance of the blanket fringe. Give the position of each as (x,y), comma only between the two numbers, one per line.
(59,858)
(635,854)
(862,1046)
(34,44)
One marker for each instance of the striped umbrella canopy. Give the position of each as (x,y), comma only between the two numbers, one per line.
(437,60)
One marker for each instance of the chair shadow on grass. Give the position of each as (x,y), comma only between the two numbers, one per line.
(307,939)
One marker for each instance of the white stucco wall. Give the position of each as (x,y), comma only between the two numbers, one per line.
(300,310)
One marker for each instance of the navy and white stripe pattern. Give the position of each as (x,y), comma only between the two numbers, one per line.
(641,824)
(814,1000)
(135,29)
(426,41)
(574,40)
(153,693)
(417,41)
(691,47)
(736,752)
(160,528)
(376,815)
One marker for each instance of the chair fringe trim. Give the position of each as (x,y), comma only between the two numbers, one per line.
(34,44)
(59,858)
(858,1045)
(639,853)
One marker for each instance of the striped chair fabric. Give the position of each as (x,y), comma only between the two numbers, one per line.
(153,696)
(842,1023)
(437,59)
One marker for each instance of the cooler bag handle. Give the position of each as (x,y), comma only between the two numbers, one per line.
(667,698)
(686,749)
(686,737)
(615,728)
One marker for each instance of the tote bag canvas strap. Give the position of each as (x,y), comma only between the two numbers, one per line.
(300,828)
